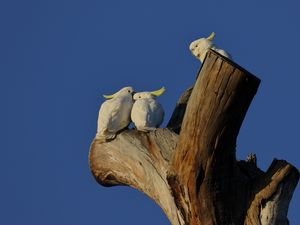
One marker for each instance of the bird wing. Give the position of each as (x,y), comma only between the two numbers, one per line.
(156,115)
(160,114)
(108,114)
(139,113)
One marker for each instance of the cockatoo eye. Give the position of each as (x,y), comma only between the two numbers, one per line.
(139,96)
(129,91)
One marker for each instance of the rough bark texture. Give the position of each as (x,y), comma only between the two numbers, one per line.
(140,160)
(178,114)
(190,169)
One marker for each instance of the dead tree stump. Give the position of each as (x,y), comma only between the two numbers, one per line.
(190,168)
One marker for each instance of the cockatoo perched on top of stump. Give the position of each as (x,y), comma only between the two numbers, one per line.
(147,114)
(114,114)
(200,47)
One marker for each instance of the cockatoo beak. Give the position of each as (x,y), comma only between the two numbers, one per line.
(211,36)
(158,92)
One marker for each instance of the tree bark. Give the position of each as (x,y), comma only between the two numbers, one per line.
(178,114)
(140,160)
(190,170)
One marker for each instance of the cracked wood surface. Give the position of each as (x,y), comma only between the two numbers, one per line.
(204,161)
(140,160)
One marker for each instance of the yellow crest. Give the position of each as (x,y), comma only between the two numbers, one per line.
(211,36)
(158,92)
(108,96)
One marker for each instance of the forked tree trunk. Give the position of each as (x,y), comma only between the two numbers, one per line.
(190,169)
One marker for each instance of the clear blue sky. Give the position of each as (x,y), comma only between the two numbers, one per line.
(58,56)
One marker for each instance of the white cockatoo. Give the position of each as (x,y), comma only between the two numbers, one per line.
(114,114)
(200,47)
(147,114)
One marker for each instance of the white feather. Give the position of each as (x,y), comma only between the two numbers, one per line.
(200,47)
(114,114)
(147,113)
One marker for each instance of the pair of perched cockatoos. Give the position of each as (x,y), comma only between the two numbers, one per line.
(200,47)
(125,106)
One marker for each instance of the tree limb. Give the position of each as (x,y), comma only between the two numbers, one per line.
(140,160)
(204,160)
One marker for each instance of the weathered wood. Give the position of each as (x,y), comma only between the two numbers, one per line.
(204,161)
(194,176)
(179,111)
(271,195)
(140,160)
